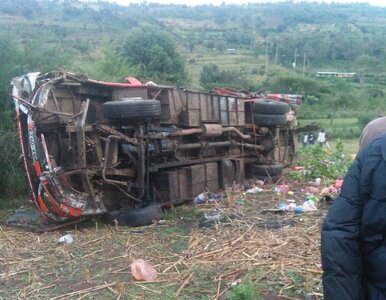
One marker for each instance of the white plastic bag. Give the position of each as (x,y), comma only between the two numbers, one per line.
(66,239)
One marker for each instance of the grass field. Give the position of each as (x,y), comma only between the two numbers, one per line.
(241,61)
(350,146)
(340,128)
(336,124)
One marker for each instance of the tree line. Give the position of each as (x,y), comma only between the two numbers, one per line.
(151,41)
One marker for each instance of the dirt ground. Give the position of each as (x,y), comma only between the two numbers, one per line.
(251,250)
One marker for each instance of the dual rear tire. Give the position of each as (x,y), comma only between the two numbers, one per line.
(268,112)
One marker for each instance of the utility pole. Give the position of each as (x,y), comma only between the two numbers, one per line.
(266,58)
(277,51)
(294,63)
(253,42)
(304,62)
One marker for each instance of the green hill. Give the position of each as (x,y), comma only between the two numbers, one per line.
(329,36)
(252,46)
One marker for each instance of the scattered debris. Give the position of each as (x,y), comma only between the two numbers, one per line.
(215,216)
(299,168)
(283,188)
(309,205)
(276,224)
(254,190)
(279,211)
(312,190)
(143,271)
(298,210)
(207,197)
(338,183)
(284,206)
(315,182)
(329,190)
(66,239)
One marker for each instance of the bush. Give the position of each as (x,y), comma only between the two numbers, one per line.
(212,76)
(321,163)
(154,52)
(296,84)
(12,176)
(345,133)
(245,291)
(364,119)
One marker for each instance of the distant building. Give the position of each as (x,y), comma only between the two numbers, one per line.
(335,74)
(344,75)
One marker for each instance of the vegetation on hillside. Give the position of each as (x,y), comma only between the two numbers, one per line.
(11,180)
(153,51)
(276,47)
(319,162)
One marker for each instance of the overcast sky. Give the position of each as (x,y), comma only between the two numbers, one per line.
(218,2)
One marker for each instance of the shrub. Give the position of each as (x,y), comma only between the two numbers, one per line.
(245,291)
(211,76)
(364,119)
(12,176)
(345,133)
(321,163)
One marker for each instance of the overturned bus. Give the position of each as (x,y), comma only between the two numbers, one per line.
(123,149)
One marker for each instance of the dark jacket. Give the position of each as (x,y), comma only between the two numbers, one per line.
(353,234)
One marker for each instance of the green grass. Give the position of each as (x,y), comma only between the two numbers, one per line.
(242,61)
(245,291)
(350,146)
(336,123)
(183,213)
(343,128)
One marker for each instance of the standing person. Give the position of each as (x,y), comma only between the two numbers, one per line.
(321,137)
(311,138)
(326,143)
(305,139)
(371,131)
(353,237)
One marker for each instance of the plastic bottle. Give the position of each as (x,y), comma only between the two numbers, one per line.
(298,210)
(309,205)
